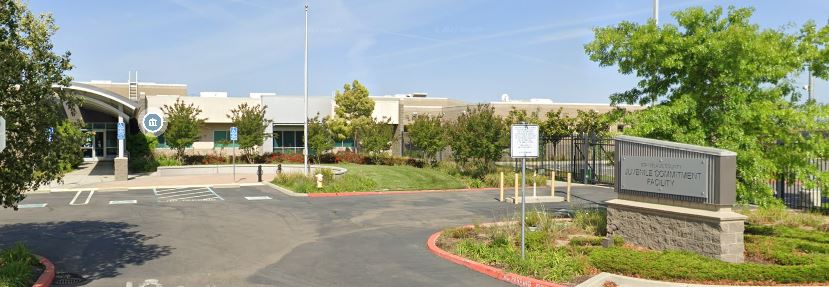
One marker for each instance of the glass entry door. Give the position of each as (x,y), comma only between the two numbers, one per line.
(101,144)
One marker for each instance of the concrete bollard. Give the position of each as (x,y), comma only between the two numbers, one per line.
(569,179)
(502,187)
(516,189)
(534,185)
(553,183)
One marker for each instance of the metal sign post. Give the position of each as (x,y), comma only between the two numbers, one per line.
(523,145)
(234,135)
(2,133)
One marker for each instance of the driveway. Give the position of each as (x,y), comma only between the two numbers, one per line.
(254,236)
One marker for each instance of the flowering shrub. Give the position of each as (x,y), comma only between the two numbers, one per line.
(349,157)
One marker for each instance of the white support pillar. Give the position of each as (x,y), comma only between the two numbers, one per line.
(121,142)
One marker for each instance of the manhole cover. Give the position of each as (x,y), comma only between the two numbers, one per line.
(69,279)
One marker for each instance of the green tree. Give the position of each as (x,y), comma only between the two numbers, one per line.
(320,139)
(517,116)
(426,133)
(339,128)
(141,148)
(28,102)
(70,139)
(354,107)
(478,138)
(376,136)
(591,122)
(183,125)
(557,126)
(251,124)
(726,83)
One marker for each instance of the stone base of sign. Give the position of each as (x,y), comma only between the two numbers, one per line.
(716,234)
(537,199)
(121,168)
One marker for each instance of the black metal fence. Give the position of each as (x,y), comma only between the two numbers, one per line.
(795,194)
(588,158)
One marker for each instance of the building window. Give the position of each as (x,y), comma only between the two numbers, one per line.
(162,142)
(287,141)
(348,143)
(222,139)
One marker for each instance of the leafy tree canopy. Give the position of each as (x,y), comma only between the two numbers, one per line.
(320,139)
(353,102)
(29,103)
(183,125)
(726,83)
(477,138)
(251,124)
(376,136)
(557,125)
(427,134)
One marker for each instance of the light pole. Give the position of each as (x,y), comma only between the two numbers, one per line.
(809,85)
(306,168)
(656,12)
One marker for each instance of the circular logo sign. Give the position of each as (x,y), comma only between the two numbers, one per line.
(153,121)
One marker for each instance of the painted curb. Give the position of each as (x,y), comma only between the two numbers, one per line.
(397,192)
(48,275)
(490,271)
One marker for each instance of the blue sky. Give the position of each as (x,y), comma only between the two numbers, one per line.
(469,50)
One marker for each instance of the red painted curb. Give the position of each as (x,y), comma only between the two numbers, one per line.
(490,271)
(398,192)
(48,275)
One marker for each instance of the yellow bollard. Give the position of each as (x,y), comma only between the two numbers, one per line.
(569,178)
(502,187)
(516,189)
(553,183)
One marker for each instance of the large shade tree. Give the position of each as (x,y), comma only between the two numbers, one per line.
(478,138)
(722,81)
(353,110)
(29,103)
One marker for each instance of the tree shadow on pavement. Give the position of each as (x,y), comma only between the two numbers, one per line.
(95,249)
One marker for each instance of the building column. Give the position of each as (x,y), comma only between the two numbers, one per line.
(121,163)
(120,141)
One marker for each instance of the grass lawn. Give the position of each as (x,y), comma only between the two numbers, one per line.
(566,251)
(375,178)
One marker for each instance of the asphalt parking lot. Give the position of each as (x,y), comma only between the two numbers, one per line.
(254,236)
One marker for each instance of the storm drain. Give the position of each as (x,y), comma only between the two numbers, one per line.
(69,279)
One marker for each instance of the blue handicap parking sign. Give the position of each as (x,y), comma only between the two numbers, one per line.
(122,131)
(234,134)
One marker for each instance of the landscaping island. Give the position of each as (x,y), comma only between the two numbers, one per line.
(373,178)
(782,248)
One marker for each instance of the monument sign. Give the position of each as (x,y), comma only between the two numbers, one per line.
(676,196)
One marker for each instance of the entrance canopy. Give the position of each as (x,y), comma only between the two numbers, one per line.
(103,100)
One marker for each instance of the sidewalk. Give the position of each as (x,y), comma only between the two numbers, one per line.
(100,175)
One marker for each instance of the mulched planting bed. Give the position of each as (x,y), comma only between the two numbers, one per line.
(569,251)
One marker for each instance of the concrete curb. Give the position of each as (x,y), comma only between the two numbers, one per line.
(107,189)
(490,271)
(285,190)
(48,275)
(624,281)
(396,192)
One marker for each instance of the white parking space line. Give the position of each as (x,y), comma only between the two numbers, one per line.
(214,193)
(258,197)
(131,201)
(77,195)
(186,194)
(32,205)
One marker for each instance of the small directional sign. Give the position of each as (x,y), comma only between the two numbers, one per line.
(122,131)
(234,133)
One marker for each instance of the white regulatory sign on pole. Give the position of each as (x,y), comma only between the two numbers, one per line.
(524,141)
